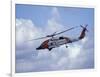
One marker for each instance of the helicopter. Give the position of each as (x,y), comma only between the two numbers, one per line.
(54,42)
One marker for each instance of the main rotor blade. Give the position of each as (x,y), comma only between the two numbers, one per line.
(65,30)
(53,34)
(37,38)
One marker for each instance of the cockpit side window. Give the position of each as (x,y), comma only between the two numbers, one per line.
(61,37)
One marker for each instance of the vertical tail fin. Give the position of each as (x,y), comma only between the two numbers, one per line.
(82,35)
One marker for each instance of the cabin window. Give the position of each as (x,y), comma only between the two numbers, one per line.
(51,43)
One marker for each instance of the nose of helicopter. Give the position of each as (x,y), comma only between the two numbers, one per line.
(39,48)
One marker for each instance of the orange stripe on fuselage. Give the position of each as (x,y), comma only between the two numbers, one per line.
(45,44)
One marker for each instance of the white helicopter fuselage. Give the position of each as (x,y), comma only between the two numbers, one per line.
(56,42)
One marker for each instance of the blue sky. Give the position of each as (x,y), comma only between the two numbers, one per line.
(36,21)
(69,16)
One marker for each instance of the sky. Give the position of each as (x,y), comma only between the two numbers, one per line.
(33,21)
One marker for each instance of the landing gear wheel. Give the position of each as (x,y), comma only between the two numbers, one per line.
(66,46)
(50,49)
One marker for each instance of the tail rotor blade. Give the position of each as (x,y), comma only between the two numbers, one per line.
(84,27)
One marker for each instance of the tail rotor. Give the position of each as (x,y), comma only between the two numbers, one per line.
(85,28)
(82,35)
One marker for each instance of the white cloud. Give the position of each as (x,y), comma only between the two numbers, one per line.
(53,24)
(29,59)
(74,50)
(55,14)
(24,66)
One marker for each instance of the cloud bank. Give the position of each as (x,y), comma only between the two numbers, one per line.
(78,55)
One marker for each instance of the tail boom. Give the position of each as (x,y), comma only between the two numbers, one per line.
(82,35)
